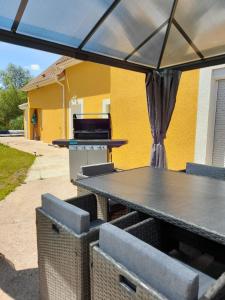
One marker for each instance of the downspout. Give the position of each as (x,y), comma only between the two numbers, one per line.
(63,107)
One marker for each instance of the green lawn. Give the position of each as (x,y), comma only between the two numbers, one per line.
(14,165)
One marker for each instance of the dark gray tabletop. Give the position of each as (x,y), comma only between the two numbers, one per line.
(192,202)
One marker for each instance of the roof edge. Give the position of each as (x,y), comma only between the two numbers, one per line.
(62,66)
(37,85)
(23,106)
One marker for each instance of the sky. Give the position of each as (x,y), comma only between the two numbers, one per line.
(34,60)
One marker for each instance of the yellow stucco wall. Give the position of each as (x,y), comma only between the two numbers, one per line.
(130,120)
(180,141)
(48,101)
(87,79)
(90,82)
(94,105)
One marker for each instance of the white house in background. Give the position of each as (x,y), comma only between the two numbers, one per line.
(24,107)
(210,126)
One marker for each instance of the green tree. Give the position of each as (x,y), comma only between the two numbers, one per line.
(14,76)
(16,123)
(9,100)
(11,80)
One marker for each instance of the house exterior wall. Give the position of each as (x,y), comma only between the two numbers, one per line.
(94,104)
(130,120)
(126,90)
(89,82)
(48,101)
(180,142)
(206,113)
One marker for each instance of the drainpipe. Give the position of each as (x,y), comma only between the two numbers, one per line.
(63,107)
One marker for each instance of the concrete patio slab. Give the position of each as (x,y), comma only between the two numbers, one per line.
(18,253)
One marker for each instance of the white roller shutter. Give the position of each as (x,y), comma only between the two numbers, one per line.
(218,157)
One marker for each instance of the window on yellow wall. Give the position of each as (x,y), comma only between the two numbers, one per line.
(105,108)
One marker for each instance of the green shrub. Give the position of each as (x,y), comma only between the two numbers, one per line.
(3,127)
(16,124)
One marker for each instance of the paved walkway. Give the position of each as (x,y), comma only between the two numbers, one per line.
(18,254)
(50,161)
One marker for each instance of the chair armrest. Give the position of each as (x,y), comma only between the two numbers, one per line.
(86,202)
(217,290)
(148,231)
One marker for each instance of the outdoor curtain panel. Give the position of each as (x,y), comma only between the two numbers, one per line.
(161,88)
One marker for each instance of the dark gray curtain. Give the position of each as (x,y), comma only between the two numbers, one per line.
(161,88)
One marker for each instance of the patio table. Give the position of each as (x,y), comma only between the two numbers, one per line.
(194,203)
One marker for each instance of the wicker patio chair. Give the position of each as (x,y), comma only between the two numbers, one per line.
(63,254)
(107,208)
(205,170)
(117,276)
(150,231)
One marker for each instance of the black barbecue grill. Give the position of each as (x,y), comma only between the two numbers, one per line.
(91,128)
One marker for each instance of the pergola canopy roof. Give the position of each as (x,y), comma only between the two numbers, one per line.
(133,34)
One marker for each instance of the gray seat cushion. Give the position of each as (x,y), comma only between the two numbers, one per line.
(69,215)
(205,170)
(205,282)
(165,274)
(97,169)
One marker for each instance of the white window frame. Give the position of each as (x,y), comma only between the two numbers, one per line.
(75,103)
(105,108)
(206,113)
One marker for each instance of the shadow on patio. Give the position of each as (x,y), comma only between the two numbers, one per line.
(18,285)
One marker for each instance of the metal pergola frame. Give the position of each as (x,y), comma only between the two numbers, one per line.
(28,41)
